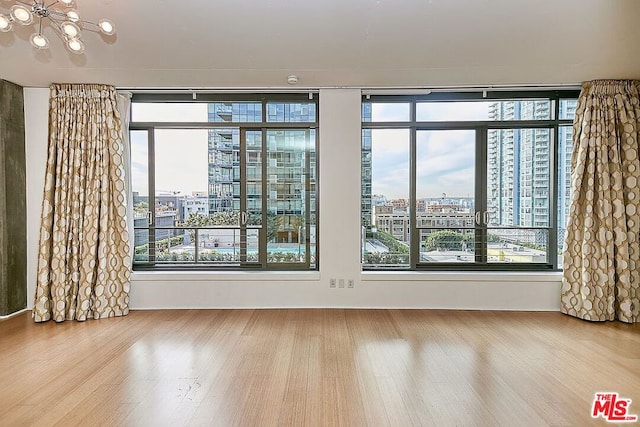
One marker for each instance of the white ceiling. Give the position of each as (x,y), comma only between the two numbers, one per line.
(336,43)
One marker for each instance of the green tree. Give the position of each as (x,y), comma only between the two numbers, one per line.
(444,240)
(216,218)
(141,207)
(391,242)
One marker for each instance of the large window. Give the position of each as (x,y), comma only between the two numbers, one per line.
(466,180)
(224,181)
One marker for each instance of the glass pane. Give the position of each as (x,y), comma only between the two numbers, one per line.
(254,177)
(365,184)
(312,199)
(235,112)
(517,245)
(291,112)
(386,112)
(483,110)
(386,241)
(252,245)
(446,244)
(168,112)
(223,174)
(170,242)
(518,164)
(288,167)
(565,150)
(219,245)
(140,192)
(445,191)
(568,109)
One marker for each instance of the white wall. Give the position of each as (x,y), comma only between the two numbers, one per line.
(36,123)
(339,244)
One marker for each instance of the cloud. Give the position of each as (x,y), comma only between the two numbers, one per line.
(445,163)
(450,111)
(390,162)
(389,112)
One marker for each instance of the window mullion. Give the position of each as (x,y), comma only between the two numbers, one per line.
(414,236)
(151,176)
(481,195)
(262,242)
(552,241)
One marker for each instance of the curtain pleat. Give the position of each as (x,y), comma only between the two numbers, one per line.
(84,260)
(601,279)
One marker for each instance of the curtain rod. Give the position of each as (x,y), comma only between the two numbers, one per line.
(381,90)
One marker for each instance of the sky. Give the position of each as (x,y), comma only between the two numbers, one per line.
(177,150)
(445,159)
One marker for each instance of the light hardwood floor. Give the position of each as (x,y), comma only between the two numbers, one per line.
(315,367)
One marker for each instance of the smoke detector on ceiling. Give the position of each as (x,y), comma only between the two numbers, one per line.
(292,79)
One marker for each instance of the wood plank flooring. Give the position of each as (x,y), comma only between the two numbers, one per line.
(324,367)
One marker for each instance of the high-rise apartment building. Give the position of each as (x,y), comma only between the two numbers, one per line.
(519,165)
(365,188)
(290,164)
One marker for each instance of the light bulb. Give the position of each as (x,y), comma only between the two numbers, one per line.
(73,15)
(75,46)
(39,41)
(5,23)
(106,27)
(21,14)
(66,2)
(70,29)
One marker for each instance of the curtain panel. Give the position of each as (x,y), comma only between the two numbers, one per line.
(601,279)
(84,254)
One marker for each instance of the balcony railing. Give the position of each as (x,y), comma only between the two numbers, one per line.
(219,245)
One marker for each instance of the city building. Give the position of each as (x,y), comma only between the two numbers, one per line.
(191,205)
(519,165)
(397,221)
(367,202)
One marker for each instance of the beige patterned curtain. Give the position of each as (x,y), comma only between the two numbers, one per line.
(83,267)
(602,258)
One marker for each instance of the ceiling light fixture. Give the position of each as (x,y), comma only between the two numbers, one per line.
(61,16)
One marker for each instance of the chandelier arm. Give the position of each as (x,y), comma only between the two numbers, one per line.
(59,31)
(90,23)
(54,14)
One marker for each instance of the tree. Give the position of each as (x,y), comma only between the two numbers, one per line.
(391,242)
(141,207)
(216,218)
(447,240)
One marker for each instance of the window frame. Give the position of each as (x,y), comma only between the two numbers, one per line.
(264,126)
(481,128)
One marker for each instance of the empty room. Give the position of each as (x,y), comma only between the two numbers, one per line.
(298,213)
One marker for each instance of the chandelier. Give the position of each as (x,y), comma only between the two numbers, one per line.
(62,17)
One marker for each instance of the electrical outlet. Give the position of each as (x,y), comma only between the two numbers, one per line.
(341,283)
(332,283)
(350,283)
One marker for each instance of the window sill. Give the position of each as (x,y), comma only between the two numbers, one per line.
(475,276)
(241,276)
